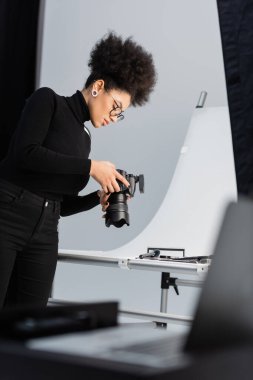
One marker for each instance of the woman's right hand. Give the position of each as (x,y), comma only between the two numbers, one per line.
(105,173)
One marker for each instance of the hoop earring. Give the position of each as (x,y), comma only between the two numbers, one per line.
(94,93)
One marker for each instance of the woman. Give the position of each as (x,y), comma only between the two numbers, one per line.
(47,165)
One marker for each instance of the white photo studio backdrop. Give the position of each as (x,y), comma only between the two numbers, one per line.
(184,39)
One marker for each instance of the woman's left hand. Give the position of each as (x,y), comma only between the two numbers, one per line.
(103,199)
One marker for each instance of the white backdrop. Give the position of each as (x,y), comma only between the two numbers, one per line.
(184,39)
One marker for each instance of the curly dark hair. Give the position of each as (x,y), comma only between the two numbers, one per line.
(123,65)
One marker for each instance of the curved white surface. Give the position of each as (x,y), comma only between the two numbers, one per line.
(203,183)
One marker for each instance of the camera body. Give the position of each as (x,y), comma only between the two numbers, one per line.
(117,212)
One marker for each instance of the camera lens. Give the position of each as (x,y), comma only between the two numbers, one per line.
(117,212)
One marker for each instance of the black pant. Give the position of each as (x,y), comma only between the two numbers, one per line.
(28,246)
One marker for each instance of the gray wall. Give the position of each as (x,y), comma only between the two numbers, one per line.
(184,38)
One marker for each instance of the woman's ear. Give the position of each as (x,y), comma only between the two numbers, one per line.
(98,85)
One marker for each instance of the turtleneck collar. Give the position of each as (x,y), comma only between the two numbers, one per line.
(79,106)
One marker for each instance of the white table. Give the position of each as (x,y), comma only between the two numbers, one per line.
(193,275)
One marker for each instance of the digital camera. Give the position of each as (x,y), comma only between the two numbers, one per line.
(117,211)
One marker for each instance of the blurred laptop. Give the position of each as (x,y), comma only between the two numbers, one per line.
(224,314)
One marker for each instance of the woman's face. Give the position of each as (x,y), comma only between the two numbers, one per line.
(106,106)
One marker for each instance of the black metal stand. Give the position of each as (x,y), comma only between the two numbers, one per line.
(166,282)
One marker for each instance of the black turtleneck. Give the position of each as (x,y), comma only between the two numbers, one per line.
(49,151)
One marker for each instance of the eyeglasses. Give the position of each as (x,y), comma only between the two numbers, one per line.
(116,110)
